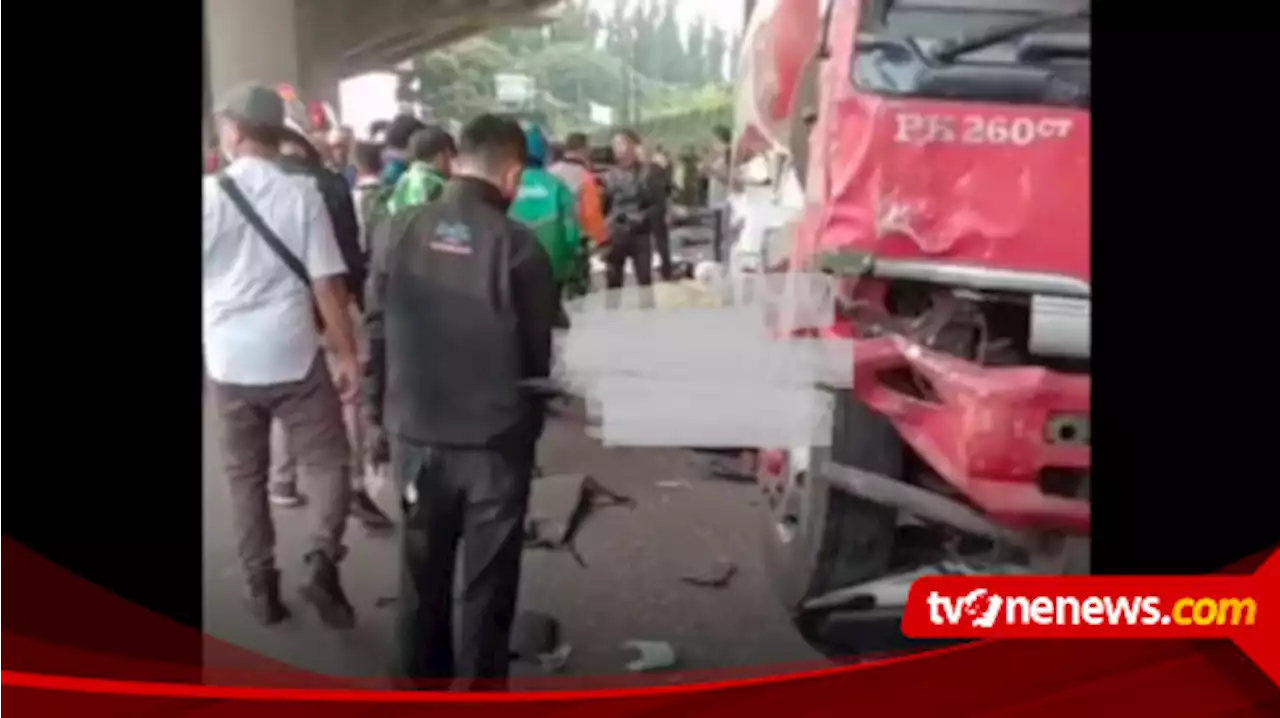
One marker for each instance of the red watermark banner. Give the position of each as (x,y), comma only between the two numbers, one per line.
(1243,609)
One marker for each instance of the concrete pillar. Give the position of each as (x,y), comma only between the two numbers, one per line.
(252,40)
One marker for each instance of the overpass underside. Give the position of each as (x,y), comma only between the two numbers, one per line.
(314,44)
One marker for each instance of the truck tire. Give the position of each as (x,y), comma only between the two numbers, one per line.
(817,538)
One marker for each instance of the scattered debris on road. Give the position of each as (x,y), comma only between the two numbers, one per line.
(575,506)
(533,635)
(654,656)
(675,484)
(555,661)
(718,576)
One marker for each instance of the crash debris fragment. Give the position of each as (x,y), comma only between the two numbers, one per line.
(675,484)
(534,634)
(717,576)
(573,509)
(555,661)
(654,656)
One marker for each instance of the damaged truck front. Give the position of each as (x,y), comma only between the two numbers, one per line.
(944,150)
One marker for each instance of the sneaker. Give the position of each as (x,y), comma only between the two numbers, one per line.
(264,598)
(364,509)
(285,496)
(324,591)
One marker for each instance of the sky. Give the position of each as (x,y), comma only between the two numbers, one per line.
(725,13)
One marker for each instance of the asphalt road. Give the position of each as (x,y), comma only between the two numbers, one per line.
(684,523)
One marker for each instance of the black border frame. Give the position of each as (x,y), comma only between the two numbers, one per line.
(1180,200)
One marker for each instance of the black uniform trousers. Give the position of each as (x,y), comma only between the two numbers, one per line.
(477,497)
(636,247)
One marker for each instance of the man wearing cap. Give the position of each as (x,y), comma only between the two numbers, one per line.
(270,265)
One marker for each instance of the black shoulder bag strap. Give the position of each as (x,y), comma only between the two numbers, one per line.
(268,235)
(272,239)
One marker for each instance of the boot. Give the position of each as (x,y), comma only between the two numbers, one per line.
(324,591)
(264,598)
(363,508)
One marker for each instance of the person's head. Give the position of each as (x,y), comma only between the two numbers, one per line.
(250,121)
(535,146)
(378,131)
(434,146)
(626,147)
(339,141)
(577,147)
(367,157)
(722,137)
(492,148)
(400,131)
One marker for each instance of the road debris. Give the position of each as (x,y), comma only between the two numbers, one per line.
(718,576)
(575,505)
(675,484)
(534,635)
(654,656)
(555,661)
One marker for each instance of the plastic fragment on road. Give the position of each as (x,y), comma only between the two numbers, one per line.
(675,484)
(718,576)
(654,656)
(555,661)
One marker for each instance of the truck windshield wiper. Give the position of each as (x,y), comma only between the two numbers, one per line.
(953,49)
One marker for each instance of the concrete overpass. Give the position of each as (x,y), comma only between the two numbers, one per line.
(314,44)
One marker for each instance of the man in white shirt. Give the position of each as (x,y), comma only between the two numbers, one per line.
(270,262)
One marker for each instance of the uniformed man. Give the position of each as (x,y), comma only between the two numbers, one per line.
(461,304)
(631,199)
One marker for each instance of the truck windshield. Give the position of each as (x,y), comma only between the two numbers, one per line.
(974,50)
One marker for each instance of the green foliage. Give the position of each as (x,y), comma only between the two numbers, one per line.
(632,59)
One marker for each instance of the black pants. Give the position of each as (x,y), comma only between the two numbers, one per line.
(638,248)
(479,497)
(662,243)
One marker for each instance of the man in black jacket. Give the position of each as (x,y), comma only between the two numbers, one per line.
(459,312)
(299,156)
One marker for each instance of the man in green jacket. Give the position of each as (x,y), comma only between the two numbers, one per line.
(432,150)
(545,204)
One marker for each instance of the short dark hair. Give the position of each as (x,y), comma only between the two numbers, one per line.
(629,134)
(431,142)
(575,142)
(401,130)
(269,135)
(493,142)
(722,133)
(367,157)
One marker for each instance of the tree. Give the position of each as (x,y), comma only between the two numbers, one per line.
(717,46)
(695,46)
(669,46)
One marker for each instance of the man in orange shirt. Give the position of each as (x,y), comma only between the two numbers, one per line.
(573,169)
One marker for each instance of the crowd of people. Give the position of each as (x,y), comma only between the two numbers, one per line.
(388,305)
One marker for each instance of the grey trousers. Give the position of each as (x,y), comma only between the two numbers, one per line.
(310,413)
(284,462)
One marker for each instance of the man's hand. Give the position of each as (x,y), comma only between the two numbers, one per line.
(347,378)
(377,446)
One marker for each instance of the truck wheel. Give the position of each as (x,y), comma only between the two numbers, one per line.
(817,538)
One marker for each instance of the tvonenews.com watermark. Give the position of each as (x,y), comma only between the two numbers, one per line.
(982,608)
(1089,606)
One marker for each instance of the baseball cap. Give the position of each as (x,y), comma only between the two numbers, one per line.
(253,104)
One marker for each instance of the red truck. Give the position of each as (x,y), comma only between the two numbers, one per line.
(944,150)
